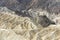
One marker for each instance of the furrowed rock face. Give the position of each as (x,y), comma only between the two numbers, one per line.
(29,20)
(52,6)
(14,27)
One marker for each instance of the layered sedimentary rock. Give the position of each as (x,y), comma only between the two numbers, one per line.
(14,27)
(29,20)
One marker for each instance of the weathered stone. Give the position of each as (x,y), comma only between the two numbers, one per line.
(14,27)
(45,21)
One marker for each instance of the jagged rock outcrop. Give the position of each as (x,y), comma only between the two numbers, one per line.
(14,27)
(35,17)
(30,22)
(52,16)
(51,6)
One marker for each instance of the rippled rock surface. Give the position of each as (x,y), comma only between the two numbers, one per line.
(14,27)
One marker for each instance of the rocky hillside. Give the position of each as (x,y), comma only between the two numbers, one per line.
(14,27)
(50,8)
(29,19)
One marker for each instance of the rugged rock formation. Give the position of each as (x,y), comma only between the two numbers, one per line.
(14,27)
(44,21)
(29,19)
